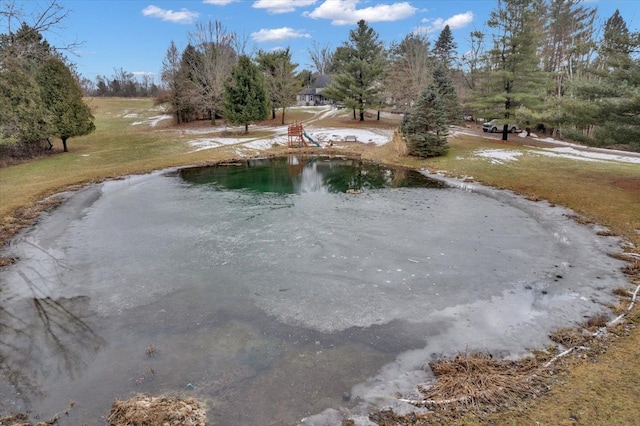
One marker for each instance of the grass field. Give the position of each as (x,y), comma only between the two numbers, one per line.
(608,193)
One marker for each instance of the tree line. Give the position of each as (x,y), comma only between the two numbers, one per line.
(544,64)
(122,84)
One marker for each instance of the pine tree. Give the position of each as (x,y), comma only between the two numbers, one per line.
(361,65)
(194,102)
(245,96)
(447,92)
(613,99)
(445,48)
(171,77)
(68,115)
(424,128)
(514,79)
(568,43)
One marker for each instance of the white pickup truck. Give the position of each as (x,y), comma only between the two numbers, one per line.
(493,126)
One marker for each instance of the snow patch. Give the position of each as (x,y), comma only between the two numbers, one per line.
(262,144)
(153,121)
(498,156)
(202,144)
(378,137)
(581,155)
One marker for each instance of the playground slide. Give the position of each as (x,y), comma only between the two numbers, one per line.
(310,140)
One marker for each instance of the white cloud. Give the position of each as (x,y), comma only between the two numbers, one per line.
(220,2)
(278,34)
(142,73)
(184,16)
(345,12)
(456,22)
(281,6)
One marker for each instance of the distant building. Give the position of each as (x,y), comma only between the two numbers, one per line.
(312,95)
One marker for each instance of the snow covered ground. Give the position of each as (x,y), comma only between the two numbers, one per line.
(216,137)
(213,137)
(322,135)
(562,149)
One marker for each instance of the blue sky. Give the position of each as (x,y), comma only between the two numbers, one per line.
(134,35)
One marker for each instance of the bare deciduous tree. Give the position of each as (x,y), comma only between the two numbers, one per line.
(41,20)
(410,70)
(322,58)
(217,57)
(279,73)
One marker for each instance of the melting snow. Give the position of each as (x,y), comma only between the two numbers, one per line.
(153,121)
(261,144)
(202,144)
(320,135)
(498,156)
(576,154)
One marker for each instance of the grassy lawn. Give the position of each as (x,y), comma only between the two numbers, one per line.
(608,193)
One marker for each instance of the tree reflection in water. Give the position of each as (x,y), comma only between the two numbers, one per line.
(299,174)
(40,336)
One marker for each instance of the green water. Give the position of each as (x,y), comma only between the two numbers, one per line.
(299,174)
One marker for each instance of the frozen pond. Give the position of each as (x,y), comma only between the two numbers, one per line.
(277,291)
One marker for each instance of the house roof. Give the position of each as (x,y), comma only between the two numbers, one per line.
(321,81)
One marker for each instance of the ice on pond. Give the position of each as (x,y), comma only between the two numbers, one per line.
(276,295)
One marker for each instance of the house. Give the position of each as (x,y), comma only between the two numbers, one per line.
(312,95)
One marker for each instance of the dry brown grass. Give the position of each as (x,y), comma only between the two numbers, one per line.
(570,336)
(596,321)
(398,145)
(621,291)
(24,420)
(605,392)
(476,380)
(142,410)
(632,268)
(22,218)
(15,420)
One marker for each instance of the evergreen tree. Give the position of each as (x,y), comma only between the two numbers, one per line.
(424,128)
(245,96)
(616,40)
(608,107)
(22,114)
(26,47)
(568,44)
(361,65)
(514,79)
(170,76)
(445,48)
(68,115)
(194,102)
(447,92)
